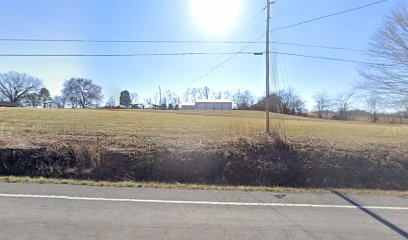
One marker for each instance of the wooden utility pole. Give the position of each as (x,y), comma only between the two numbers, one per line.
(159,97)
(268,7)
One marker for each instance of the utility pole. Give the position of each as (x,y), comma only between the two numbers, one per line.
(159,97)
(267,63)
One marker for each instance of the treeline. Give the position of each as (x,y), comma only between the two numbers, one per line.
(25,90)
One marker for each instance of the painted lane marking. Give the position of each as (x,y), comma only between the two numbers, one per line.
(61,197)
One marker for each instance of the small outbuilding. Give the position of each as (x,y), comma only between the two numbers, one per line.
(9,104)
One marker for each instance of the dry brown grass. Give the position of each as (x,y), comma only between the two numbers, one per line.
(180,129)
(191,146)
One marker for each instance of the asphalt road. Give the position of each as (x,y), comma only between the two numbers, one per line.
(30,211)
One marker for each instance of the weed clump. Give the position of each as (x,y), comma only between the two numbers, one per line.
(266,160)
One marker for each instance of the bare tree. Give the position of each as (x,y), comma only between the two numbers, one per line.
(110,103)
(134,97)
(291,102)
(323,103)
(199,93)
(389,47)
(82,92)
(372,104)
(175,100)
(148,101)
(58,102)
(343,103)
(193,94)
(227,94)
(218,95)
(169,97)
(15,86)
(187,95)
(32,100)
(206,92)
(243,100)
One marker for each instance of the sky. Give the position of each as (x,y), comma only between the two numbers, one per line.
(202,20)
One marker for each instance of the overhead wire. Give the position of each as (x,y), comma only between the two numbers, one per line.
(124,54)
(296,9)
(297,24)
(234,54)
(329,15)
(214,68)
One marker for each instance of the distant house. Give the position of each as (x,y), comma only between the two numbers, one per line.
(213,104)
(9,104)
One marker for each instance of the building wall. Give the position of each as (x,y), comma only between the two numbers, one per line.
(213,106)
(187,107)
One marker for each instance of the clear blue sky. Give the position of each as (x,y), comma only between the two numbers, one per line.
(177,20)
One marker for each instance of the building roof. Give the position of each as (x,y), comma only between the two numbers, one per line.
(9,104)
(213,101)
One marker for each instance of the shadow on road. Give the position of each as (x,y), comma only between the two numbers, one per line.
(372,214)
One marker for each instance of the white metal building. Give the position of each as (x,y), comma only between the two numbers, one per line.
(213,104)
(208,104)
(187,106)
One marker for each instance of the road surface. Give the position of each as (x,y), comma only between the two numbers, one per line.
(31,211)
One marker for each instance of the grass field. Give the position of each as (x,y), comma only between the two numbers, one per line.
(359,150)
(179,128)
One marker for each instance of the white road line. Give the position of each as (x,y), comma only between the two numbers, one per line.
(196,202)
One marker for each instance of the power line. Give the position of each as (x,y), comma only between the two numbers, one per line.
(190,41)
(176,42)
(332,59)
(226,60)
(295,9)
(318,46)
(214,68)
(234,54)
(127,54)
(329,15)
(117,41)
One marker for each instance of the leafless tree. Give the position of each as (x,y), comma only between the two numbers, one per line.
(176,101)
(82,92)
(291,102)
(343,104)
(206,92)
(186,95)
(323,103)
(58,102)
(218,95)
(227,94)
(32,100)
(110,103)
(243,100)
(389,48)
(134,97)
(15,86)
(193,94)
(372,103)
(148,101)
(199,93)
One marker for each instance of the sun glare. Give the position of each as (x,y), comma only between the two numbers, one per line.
(216,16)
